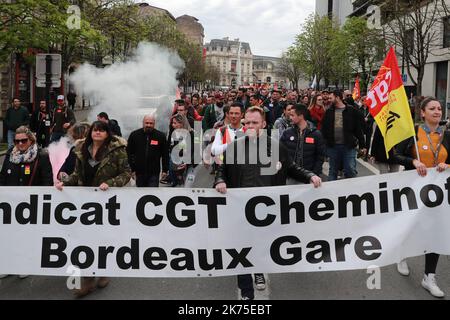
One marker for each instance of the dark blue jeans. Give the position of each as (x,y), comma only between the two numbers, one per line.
(344,157)
(143,181)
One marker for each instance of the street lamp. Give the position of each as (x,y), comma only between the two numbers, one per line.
(239,71)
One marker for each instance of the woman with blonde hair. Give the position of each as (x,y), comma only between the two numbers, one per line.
(317,111)
(26,164)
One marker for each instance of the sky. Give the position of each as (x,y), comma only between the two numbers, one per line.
(269,26)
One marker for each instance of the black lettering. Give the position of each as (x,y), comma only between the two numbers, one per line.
(103,256)
(357,204)
(410,196)
(295,253)
(212,204)
(46,209)
(360,248)
(112,206)
(6,210)
(250,212)
(314,209)
(185,262)
(217,263)
(239,258)
(149,258)
(31,207)
(59,213)
(189,214)
(75,257)
(425,195)
(133,252)
(286,207)
(48,252)
(447,187)
(96,214)
(384,203)
(340,248)
(140,211)
(324,251)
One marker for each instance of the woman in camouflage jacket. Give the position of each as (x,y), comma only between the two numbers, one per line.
(102,162)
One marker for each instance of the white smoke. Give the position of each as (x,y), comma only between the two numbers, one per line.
(129,90)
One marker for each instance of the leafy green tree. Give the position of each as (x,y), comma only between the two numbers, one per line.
(313,47)
(365,48)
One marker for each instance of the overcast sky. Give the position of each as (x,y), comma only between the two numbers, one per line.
(269,26)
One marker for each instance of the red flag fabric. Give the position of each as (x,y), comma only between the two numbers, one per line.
(388,103)
(356,90)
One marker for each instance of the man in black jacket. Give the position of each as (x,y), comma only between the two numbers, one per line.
(304,142)
(243,172)
(41,124)
(342,130)
(146,148)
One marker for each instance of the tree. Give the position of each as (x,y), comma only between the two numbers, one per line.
(290,68)
(313,47)
(42,25)
(365,48)
(414,28)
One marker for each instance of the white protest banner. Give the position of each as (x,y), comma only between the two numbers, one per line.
(132,232)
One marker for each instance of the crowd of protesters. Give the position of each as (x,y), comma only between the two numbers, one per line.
(308,128)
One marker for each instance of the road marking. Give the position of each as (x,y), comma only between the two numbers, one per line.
(368,166)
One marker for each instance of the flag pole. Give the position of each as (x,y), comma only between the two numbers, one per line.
(417,148)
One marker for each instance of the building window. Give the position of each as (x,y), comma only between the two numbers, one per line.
(447,32)
(214,48)
(233,65)
(221,49)
(441,83)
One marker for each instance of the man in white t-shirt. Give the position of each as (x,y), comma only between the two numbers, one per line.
(227,134)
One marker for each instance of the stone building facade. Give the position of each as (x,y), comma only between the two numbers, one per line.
(223,54)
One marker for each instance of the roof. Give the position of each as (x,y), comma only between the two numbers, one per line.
(148,9)
(226,43)
(185,16)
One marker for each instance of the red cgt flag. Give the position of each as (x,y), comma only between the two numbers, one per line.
(388,104)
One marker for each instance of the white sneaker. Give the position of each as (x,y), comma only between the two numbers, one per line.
(402,268)
(23,276)
(429,283)
(3,276)
(260,281)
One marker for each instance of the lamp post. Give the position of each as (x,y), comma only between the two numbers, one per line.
(239,71)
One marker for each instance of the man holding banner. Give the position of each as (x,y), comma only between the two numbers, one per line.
(241,171)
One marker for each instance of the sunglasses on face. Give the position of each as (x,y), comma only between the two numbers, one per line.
(23,141)
(99,130)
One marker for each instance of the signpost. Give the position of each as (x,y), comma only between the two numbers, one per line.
(48,73)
